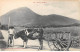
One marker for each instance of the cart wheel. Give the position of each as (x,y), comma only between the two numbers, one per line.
(65,45)
(53,46)
(59,45)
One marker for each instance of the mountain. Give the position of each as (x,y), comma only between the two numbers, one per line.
(25,16)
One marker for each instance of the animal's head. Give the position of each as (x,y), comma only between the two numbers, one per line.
(17,35)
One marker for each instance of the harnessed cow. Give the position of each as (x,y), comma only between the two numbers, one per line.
(31,34)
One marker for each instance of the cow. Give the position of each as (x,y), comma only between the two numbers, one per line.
(31,34)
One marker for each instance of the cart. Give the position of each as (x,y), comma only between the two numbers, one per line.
(59,41)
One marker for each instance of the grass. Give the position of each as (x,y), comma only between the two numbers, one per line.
(75,34)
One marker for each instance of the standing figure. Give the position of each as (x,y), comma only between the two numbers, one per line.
(11,36)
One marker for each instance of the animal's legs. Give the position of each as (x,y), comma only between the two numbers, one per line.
(25,43)
(41,44)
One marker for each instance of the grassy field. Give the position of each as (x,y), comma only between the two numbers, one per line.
(75,34)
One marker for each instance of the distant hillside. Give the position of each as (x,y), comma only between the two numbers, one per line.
(25,16)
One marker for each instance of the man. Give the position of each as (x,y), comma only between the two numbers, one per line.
(11,35)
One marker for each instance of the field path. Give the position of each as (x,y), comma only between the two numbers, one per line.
(32,45)
(18,43)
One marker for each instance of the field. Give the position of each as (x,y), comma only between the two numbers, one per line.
(75,37)
(74,32)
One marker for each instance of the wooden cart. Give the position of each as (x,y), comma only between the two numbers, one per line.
(59,41)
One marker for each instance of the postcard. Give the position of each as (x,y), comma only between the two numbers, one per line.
(39,25)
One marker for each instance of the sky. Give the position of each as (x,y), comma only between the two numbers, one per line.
(43,7)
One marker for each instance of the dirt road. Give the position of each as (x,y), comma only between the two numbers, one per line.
(18,43)
(32,45)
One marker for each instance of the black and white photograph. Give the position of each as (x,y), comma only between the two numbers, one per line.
(39,25)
